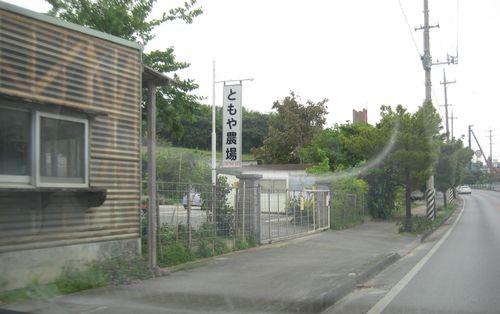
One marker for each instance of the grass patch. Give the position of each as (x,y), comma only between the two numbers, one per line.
(73,279)
(420,224)
(123,268)
(34,291)
(173,254)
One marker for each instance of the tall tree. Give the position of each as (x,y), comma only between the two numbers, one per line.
(446,167)
(291,127)
(416,147)
(129,19)
(198,129)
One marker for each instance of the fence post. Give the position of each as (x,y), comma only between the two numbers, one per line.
(189,215)
(269,214)
(314,209)
(329,208)
(250,204)
(214,218)
(243,212)
(236,214)
(278,206)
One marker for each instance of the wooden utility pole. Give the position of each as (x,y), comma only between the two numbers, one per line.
(152,208)
(445,83)
(491,146)
(452,118)
(427,65)
(426,57)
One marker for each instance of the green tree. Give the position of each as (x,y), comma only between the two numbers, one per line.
(416,147)
(255,129)
(291,127)
(463,159)
(446,168)
(129,19)
(198,129)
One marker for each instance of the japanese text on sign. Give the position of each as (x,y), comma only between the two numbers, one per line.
(231,126)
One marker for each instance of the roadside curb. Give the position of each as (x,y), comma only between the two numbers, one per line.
(318,302)
(333,296)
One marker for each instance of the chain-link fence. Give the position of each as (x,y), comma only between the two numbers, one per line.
(200,220)
(197,220)
(347,210)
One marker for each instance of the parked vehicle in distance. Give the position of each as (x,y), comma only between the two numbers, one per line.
(196,200)
(417,196)
(464,189)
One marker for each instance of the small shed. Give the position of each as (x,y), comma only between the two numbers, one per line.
(70,113)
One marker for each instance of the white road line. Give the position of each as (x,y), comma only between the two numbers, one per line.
(387,299)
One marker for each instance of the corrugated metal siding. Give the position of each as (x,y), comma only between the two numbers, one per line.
(46,63)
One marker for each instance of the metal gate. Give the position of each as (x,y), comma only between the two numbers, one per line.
(287,213)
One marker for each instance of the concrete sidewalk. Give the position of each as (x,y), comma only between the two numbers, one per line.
(305,275)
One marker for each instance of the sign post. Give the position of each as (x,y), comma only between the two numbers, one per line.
(231,126)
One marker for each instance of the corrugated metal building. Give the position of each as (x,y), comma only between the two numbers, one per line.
(69,145)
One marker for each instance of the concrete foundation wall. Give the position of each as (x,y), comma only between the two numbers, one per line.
(21,268)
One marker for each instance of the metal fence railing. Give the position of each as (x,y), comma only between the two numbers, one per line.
(347,210)
(288,213)
(489,187)
(199,220)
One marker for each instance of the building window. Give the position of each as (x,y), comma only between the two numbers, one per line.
(43,149)
(15,145)
(62,150)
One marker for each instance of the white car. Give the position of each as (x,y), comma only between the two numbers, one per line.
(464,189)
(196,200)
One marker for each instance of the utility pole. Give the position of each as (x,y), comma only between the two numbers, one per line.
(452,130)
(488,163)
(445,84)
(491,146)
(470,147)
(427,58)
(427,64)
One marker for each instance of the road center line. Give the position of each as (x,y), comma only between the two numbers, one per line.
(387,299)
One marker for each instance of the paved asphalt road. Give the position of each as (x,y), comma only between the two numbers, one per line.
(463,275)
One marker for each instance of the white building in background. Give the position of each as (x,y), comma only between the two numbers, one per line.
(276,183)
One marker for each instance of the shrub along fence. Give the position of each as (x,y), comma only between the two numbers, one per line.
(199,220)
(347,210)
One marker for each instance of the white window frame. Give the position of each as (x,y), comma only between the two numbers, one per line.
(37,171)
(20,179)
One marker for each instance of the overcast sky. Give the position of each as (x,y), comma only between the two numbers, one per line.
(358,54)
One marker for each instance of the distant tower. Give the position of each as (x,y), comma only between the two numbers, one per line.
(360,116)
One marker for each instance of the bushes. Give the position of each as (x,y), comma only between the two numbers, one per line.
(175,254)
(420,224)
(122,268)
(381,198)
(348,202)
(300,208)
(73,280)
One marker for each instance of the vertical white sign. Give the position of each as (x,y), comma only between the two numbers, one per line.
(231,126)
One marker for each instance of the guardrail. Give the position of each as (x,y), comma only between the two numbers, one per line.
(489,187)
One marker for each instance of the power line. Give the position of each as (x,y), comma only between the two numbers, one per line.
(458,26)
(409,28)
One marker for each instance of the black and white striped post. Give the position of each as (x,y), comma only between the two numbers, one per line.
(430,198)
(451,198)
